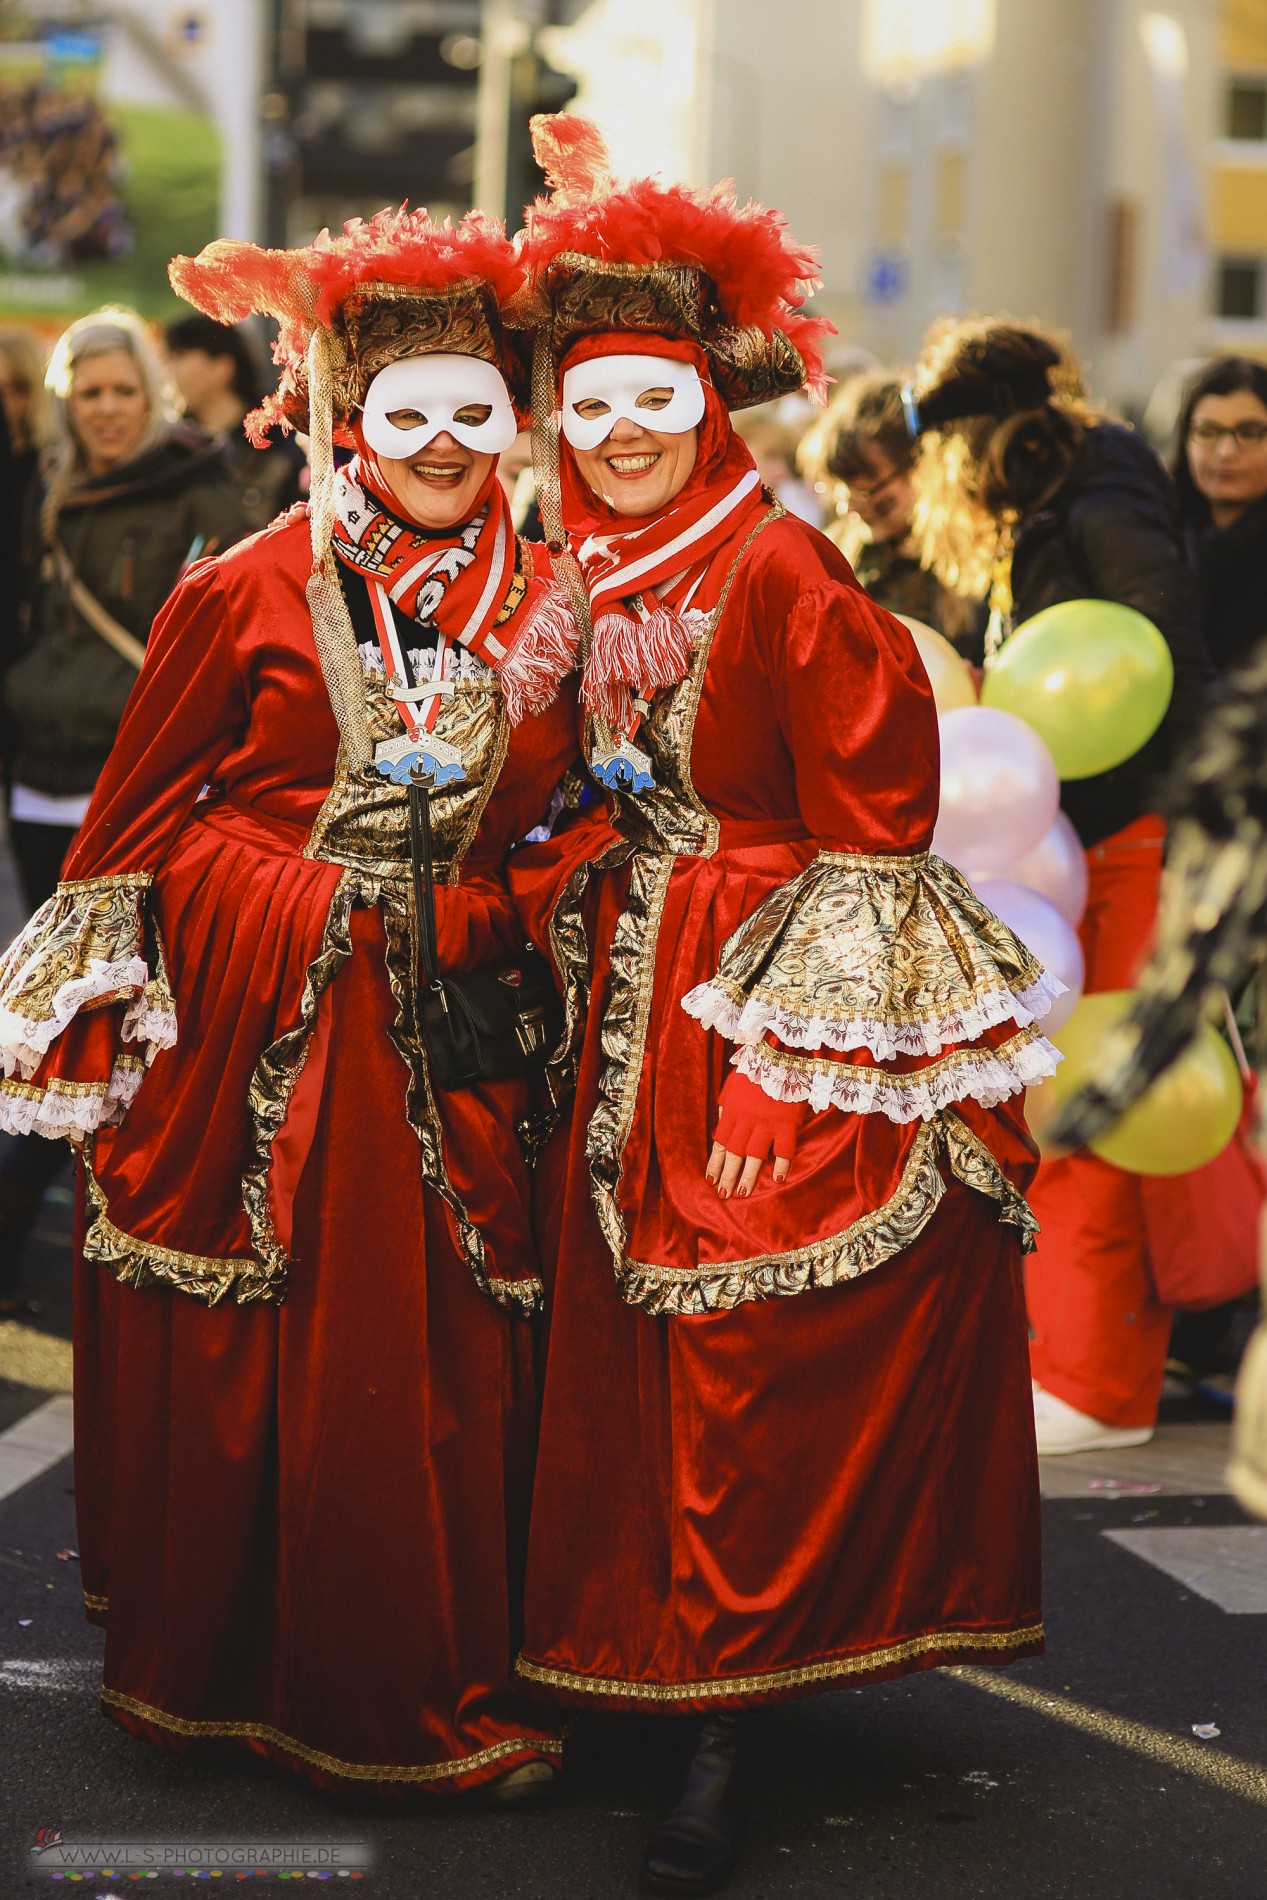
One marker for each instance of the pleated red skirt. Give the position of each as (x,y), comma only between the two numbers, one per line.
(793,1496)
(303,1526)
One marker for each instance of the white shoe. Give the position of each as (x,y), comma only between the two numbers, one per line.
(1061,1429)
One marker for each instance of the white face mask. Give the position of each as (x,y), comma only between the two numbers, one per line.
(439,389)
(619,382)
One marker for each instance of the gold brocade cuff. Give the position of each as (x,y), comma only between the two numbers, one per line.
(86,948)
(895,955)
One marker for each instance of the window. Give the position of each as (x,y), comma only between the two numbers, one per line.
(1239,289)
(1245,113)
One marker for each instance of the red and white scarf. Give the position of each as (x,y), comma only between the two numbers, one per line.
(642,574)
(458,580)
(640,645)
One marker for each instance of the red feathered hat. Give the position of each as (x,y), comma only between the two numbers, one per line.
(663,258)
(389,286)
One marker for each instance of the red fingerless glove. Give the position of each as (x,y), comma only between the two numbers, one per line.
(750,1122)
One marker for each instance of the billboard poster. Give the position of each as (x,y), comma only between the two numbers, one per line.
(108,163)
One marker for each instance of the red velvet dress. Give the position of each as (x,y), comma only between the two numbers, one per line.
(787,1441)
(301,1520)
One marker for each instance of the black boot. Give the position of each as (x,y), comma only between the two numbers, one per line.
(693,1850)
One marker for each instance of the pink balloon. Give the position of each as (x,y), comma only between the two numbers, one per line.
(999,790)
(1056,867)
(1046,933)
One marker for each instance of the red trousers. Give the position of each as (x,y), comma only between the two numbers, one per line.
(1100,1333)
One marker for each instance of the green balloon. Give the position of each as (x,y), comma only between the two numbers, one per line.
(1092,678)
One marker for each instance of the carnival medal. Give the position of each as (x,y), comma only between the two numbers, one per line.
(419,752)
(622,767)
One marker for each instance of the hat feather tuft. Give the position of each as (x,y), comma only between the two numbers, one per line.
(572,154)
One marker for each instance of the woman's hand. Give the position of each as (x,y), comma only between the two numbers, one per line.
(751,1126)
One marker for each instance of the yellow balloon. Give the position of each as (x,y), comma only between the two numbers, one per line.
(1092,677)
(948,674)
(1183,1120)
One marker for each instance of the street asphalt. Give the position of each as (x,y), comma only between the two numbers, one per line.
(1077,1776)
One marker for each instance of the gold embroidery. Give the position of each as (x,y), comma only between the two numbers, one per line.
(973,1164)
(129,881)
(350,1770)
(868,1662)
(872,1239)
(582,294)
(884,953)
(381,322)
(135,1262)
(363,823)
(85,948)
(277,1071)
(100,1604)
(877,1236)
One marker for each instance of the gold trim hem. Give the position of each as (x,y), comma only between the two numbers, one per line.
(803,1676)
(139,1263)
(100,1604)
(318,1758)
(870,1241)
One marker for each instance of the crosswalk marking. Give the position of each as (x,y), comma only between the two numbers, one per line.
(34,1443)
(1225,1563)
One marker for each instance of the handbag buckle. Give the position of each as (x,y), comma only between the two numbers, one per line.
(530,1028)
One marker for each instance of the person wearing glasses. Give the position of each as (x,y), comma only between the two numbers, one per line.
(1220,472)
(858,458)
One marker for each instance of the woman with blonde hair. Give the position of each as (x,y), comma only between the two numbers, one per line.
(128,495)
(1021,485)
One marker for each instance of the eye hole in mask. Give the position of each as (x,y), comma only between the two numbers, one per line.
(411,402)
(653,392)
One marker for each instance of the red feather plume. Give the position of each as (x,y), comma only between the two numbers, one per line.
(761,274)
(231,280)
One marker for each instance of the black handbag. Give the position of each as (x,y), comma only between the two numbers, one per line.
(485,1025)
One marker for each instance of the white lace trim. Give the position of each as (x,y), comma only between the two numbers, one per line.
(24,1040)
(985,1077)
(751,1022)
(71,1117)
(154,1028)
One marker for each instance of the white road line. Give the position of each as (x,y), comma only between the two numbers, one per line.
(1225,1563)
(1215,1766)
(34,1443)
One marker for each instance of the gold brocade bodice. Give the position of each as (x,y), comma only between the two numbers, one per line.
(671,817)
(364,822)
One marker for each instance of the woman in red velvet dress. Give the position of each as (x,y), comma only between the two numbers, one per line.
(787,1440)
(304,1387)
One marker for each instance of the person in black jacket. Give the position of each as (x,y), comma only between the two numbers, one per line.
(1018,479)
(1220,471)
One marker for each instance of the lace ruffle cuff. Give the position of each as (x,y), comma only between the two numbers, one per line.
(90,948)
(891,958)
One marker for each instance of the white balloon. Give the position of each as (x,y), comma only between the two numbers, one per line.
(1056,867)
(1045,933)
(999,789)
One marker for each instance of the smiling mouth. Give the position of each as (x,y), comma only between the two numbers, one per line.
(632,464)
(448,472)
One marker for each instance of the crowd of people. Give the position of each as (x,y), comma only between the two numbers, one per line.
(495,1367)
(60,176)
